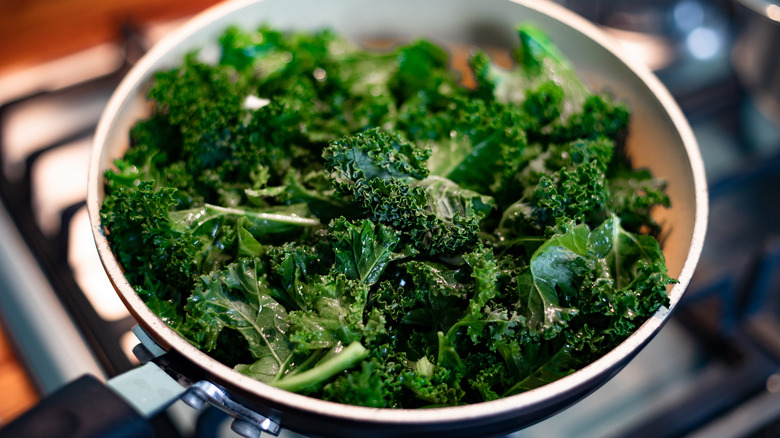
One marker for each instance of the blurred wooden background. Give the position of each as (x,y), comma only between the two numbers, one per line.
(17,393)
(32,31)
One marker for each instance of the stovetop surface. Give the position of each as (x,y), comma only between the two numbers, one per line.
(715,367)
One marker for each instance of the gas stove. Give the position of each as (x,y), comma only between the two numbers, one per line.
(714,370)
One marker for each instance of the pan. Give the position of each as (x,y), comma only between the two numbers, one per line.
(660,139)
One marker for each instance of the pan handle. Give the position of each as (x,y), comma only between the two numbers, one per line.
(89,408)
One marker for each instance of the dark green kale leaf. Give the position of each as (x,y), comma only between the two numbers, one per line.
(423,70)
(315,190)
(634,194)
(564,184)
(293,266)
(335,362)
(261,223)
(560,364)
(431,297)
(436,216)
(385,176)
(555,270)
(154,156)
(338,88)
(225,232)
(487,375)
(438,385)
(537,61)
(475,142)
(374,154)
(226,143)
(600,116)
(629,281)
(239,298)
(373,385)
(362,249)
(488,322)
(203,101)
(157,258)
(336,315)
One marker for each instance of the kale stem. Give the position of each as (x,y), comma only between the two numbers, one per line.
(304,221)
(348,358)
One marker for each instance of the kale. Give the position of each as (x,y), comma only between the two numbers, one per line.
(387,177)
(359,226)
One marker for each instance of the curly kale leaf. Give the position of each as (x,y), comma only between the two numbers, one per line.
(428,296)
(486,320)
(606,271)
(634,194)
(423,70)
(435,215)
(548,89)
(564,184)
(484,271)
(203,101)
(336,315)
(438,385)
(385,177)
(600,116)
(339,88)
(374,154)
(630,280)
(292,266)
(261,223)
(555,269)
(373,385)
(154,156)
(475,143)
(226,232)
(362,249)
(152,251)
(610,279)
(226,144)
(239,298)
(537,61)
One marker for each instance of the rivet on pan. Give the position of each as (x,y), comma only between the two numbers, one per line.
(245,429)
(194,398)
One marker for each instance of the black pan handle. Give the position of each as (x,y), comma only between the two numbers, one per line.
(84,408)
(89,408)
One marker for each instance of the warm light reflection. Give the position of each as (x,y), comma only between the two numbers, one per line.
(654,51)
(773,12)
(59,73)
(128,341)
(88,271)
(59,180)
(34,125)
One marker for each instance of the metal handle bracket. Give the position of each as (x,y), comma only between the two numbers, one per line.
(246,423)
